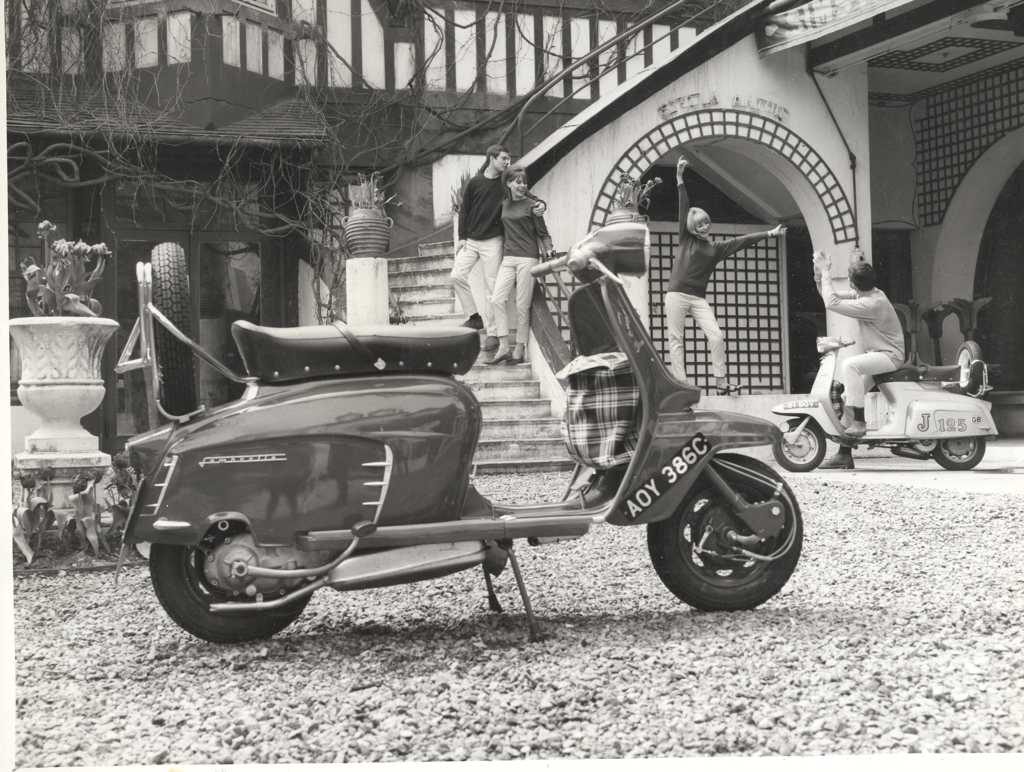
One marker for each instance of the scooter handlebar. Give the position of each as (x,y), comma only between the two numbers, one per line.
(550,266)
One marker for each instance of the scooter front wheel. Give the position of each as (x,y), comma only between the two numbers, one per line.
(694,558)
(960,454)
(185,594)
(800,452)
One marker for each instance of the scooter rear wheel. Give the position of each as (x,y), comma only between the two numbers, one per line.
(711,583)
(959,455)
(804,452)
(181,588)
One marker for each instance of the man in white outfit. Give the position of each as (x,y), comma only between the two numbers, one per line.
(880,334)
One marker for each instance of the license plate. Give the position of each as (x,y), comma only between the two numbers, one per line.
(658,485)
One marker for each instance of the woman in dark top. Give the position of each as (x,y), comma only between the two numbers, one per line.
(688,283)
(526,241)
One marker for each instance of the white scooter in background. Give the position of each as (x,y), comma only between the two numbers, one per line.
(918,411)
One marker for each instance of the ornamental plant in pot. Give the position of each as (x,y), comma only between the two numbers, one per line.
(629,198)
(61,345)
(367,228)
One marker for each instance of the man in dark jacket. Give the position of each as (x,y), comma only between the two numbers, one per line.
(480,237)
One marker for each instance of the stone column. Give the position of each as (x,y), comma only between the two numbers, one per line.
(366,291)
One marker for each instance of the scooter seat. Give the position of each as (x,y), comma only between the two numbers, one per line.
(282,354)
(915,373)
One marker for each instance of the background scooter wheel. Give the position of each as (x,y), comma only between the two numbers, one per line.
(959,455)
(174,359)
(177,575)
(716,584)
(805,452)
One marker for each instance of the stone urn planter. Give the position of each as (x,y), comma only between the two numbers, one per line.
(624,214)
(367,232)
(61,379)
(631,195)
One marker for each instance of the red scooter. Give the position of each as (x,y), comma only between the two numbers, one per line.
(346,463)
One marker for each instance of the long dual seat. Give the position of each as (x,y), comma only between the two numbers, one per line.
(286,354)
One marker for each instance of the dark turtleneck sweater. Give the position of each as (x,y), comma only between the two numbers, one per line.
(480,215)
(697,257)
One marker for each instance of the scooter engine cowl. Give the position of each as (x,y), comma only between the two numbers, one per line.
(220,567)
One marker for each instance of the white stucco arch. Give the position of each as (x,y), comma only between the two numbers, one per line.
(792,159)
(959,240)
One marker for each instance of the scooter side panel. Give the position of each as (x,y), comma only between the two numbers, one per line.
(308,457)
(945,419)
(681,447)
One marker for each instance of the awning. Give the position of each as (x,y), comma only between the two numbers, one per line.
(799,23)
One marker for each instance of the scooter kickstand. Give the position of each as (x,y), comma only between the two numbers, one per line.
(530,619)
(492,599)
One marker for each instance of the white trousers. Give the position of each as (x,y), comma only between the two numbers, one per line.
(857,372)
(488,253)
(514,272)
(679,305)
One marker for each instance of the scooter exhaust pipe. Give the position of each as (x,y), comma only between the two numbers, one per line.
(906,452)
(267,605)
(378,569)
(453,531)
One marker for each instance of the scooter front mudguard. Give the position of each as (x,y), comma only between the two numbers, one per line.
(318,455)
(680,450)
(809,408)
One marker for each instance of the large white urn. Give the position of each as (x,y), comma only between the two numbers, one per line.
(61,378)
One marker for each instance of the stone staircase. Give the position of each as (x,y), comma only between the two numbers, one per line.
(519,433)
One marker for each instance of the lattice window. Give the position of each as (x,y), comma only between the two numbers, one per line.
(747,293)
(742,125)
(943,55)
(959,124)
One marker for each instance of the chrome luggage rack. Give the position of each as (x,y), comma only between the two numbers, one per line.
(142,334)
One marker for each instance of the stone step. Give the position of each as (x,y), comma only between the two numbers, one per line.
(512,449)
(418,276)
(417,309)
(482,373)
(521,428)
(501,390)
(438,248)
(436,320)
(526,466)
(424,291)
(513,409)
(400,265)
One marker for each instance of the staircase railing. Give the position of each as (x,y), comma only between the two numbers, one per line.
(599,71)
(549,318)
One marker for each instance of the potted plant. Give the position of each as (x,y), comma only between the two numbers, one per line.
(630,196)
(367,228)
(61,345)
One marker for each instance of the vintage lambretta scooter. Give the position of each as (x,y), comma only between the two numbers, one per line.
(918,411)
(346,464)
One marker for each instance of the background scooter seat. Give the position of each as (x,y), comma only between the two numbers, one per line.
(282,354)
(920,373)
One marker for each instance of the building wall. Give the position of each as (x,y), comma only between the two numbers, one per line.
(892,168)
(734,81)
(968,140)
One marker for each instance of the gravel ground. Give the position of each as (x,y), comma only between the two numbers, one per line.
(899,632)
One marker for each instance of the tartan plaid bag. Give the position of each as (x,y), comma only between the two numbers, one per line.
(600,424)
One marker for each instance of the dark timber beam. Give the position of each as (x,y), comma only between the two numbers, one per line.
(883,29)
